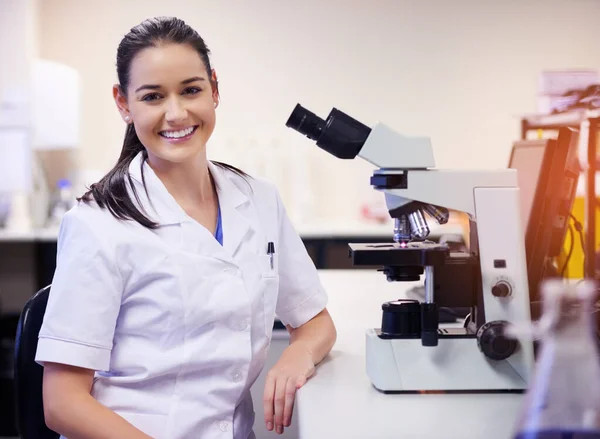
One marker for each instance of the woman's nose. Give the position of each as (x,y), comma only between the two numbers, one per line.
(176,111)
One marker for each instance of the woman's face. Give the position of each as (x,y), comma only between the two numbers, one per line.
(170,101)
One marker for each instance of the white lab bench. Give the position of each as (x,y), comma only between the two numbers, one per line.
(322,229)
(339,400)
(35,235)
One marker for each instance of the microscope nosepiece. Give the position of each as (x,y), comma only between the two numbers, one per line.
(418,224)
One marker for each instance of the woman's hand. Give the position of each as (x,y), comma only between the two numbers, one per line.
(289,374)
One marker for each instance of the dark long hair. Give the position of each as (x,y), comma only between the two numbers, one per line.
(111,191)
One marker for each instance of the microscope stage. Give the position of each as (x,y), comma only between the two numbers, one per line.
(416,253)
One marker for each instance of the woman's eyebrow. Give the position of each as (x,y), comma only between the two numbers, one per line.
(194,79)
(156,87)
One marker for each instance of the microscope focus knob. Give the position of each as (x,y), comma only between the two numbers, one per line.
(492,341)
(501,289)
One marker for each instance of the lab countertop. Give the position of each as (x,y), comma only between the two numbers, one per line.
(339,400)
(317,230)
(34,235)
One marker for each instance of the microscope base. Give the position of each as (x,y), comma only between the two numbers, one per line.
(455,364)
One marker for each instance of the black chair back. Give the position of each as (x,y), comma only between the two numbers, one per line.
(29,374)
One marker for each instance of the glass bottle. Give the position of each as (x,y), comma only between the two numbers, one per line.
(563,399)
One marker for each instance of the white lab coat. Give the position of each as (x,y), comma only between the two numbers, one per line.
(176,325)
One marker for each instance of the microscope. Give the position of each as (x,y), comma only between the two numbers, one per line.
(412,351)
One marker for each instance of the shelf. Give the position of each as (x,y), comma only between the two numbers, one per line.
(555,121)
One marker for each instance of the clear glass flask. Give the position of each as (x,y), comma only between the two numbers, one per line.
(563,399)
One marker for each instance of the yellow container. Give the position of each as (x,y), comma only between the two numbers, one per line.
(575,266)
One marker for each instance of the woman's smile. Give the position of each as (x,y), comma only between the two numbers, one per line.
(178,136)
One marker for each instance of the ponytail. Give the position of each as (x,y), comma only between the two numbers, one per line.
(111,191)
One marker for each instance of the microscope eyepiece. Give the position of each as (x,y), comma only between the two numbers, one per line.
(306,122)
(340,135)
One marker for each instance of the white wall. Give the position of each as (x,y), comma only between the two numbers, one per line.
(18,42)
(18,35)
(461,72)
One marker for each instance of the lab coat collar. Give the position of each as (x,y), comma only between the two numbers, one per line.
(226,189)
(161,207)
(164,210)
(234,203)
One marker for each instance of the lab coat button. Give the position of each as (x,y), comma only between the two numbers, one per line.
(231,270)
(239,325)
(237,377)
(224,426)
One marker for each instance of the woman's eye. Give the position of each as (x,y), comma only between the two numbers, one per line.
(151,97)
(192,90)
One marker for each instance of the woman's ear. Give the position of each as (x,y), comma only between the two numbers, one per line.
(214,82)
(121,101)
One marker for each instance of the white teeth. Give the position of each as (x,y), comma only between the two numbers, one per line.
(177,134)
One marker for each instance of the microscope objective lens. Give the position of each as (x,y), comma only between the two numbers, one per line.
(402,230)
(440,214)
(418,224)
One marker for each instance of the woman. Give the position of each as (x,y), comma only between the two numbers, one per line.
(171,269)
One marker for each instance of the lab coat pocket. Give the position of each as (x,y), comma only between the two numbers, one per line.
(270,288)
(268,266)
(152,424)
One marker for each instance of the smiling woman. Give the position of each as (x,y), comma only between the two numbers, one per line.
(167,95)
(171,100)
(167,280)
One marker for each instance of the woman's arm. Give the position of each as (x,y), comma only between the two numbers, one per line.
(317,336)
(309,344)
(71,410)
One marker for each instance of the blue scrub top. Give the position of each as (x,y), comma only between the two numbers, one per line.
(219,230)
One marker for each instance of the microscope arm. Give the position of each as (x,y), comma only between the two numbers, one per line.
(446,188)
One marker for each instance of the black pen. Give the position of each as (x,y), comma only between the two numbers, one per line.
(271,252)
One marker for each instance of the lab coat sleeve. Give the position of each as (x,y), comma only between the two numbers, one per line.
(84,300)
(301,294)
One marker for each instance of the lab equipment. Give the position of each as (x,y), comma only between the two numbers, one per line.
(41,116)
(55,105)
(15,178)
(548,175)
(16,160)
(526,157)
(63,201)
(564,398)
(490,279)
